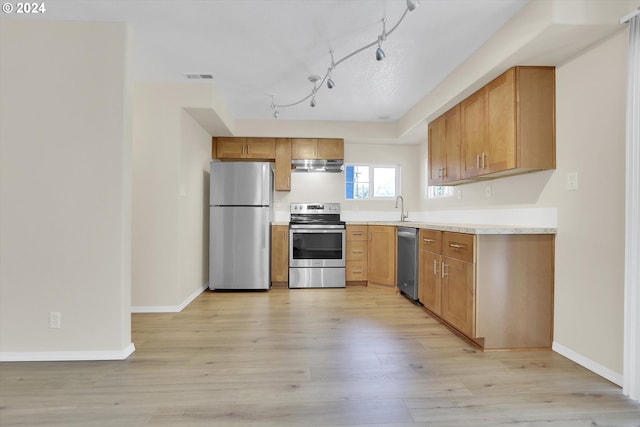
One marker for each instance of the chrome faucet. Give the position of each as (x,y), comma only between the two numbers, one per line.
(403,215)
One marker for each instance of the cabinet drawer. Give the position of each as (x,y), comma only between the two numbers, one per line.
(357,232)
(357,250)
(431,240)
(356,271)
(458,245)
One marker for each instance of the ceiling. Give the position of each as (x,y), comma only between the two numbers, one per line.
(258,48)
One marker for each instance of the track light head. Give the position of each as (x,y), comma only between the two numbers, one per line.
(412,4)
(276,114)
(313,101)
(330,83)
(380,54)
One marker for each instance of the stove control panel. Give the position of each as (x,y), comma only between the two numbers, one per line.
(315,208)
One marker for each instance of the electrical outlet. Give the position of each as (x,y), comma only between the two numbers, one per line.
(55,320)
(487,191)
(572,181)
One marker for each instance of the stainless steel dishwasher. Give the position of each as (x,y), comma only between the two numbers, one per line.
(407,274)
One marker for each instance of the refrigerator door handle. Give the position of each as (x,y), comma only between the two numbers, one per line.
(265,226)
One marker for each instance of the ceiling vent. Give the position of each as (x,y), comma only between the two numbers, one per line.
(199,76)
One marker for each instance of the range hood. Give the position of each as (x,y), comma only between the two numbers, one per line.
(317,165)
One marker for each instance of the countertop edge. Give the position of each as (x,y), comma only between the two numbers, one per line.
(456,228)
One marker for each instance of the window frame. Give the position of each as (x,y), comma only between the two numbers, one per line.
(371,182)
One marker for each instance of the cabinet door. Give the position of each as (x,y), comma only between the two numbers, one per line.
(330,148)
(382,254)
(429,291)
(458,295)
(451,172)
(261,148)
(473,133)
(279,253)
(231,148)
(436,151)
(500,154)
(304,148)
(283,165)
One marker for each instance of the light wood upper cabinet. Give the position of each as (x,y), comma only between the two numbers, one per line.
(283,165)
(231,148)
(508,126)
(330,148)
(279,253)
(317,148)
(444,148)
(473,117)
(382,254)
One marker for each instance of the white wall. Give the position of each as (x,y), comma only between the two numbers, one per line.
(590,126)
(171,154)
(65,184)
(330,187)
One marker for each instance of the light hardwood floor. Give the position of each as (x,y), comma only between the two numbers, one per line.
(354,356)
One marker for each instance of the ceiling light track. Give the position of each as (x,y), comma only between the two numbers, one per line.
(380,55)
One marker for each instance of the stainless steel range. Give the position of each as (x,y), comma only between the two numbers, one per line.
(316,246)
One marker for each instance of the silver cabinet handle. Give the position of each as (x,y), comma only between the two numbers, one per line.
(477,161)
(483,160)
(356,251)
(356,233)
(248,149)
(289,181)
(435,267)
(456,246)
(442,271)
(428,240)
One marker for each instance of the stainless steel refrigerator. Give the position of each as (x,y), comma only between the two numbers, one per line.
(240,210)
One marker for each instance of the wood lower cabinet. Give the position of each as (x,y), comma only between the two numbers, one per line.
(382,255)
(495,289)
(430,275)
(279,253)
(357,253)
(458,295)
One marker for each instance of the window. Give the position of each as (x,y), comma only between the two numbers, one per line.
(372,182)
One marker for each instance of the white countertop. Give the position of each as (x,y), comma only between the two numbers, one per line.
(457,228)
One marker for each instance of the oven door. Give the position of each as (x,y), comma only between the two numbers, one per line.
(316,247)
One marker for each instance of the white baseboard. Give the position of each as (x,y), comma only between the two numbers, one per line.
(57,356)
(169,308)
(589,364)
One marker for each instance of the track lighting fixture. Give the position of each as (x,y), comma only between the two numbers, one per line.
(319,81)
(379,52)
(314,80)
(330,82)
